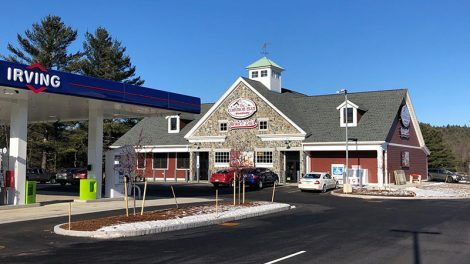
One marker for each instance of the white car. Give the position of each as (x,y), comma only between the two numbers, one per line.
(317,181)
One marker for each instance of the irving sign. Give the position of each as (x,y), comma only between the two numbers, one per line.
(41,79)
(241,108)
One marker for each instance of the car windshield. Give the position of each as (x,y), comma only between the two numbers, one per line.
(312,176)
(222,171)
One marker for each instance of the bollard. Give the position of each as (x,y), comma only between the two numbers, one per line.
(143,200)
(174,196)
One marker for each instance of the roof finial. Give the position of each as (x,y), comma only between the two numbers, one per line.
(264,48)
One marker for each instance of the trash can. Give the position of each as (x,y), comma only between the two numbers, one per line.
(30,192)
(87,189)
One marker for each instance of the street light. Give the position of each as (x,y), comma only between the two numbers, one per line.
(346,187)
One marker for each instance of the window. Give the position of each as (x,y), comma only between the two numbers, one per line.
(173,124)
(349,115)
(264,157)
(254,74)
(160,160)
(222,157)
(223,126)
(264,73)
(141,161)
(182,160)
(263,125)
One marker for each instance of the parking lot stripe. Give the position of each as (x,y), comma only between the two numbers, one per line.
(286,257)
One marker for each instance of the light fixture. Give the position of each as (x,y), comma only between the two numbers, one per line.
(287,142)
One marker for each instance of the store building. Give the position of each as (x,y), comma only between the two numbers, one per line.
(260,124)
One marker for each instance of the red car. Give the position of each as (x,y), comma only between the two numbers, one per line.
(222,177)
(78,175)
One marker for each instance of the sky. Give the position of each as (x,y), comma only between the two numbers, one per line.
(200,48)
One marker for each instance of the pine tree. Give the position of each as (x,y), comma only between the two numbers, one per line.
(104,57)
(46,43)
(441,155)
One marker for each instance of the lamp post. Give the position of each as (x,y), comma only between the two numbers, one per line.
(346,186)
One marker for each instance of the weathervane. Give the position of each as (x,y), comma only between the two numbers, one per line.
(264,49)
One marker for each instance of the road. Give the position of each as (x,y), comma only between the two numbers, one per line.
(321,229)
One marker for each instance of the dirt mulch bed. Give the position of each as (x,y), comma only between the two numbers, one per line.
(387,193)
(165,214)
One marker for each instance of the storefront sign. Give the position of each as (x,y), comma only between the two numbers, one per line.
(35,77)
(242,124)
(405,121)
(241,108)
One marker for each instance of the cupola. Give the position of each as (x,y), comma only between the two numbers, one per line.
(267,72)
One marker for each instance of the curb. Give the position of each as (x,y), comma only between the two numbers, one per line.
(370,197)
(171,227)
(9,206)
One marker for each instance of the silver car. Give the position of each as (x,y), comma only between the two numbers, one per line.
(442,174)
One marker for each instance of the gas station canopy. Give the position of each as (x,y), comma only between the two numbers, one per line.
(30,94)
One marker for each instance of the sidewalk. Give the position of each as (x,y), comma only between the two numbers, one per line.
(61,209)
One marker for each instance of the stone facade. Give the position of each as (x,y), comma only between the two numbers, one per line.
(247,139)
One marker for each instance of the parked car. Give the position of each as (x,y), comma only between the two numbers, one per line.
(259,177)
(222,177)
(442,174)
(66,175)
(40,175)
(79,174)
(319,181)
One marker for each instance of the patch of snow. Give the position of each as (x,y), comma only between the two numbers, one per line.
(223,211)
(432,193)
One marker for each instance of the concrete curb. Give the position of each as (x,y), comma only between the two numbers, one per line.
(100,200)
(8,207)
(167,228)
(371,197)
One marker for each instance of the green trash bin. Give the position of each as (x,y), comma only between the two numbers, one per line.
(30,192)
(87,189)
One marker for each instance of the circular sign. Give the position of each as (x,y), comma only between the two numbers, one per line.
(4,150)
(405,116)
(241,108)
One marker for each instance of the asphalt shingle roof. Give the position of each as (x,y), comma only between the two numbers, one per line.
(316,115)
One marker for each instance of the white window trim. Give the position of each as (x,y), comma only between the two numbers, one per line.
(222,164)
(167,161)
(267,123)
(177,124)
(342,123)
(176,163)
(221,122)
(145,161)
(264,164)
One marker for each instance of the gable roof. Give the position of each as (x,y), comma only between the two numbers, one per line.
(153,131)
(317,116)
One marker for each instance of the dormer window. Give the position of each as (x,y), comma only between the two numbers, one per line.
(264,73)
(173,124)
(254,74)
(348,115)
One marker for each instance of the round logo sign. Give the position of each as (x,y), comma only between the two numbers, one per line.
(405,116)
(241,108)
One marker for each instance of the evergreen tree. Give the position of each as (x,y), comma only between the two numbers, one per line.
(46,43)
(105,58)
(441,155)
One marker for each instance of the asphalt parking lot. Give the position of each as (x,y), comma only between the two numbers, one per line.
(321,229)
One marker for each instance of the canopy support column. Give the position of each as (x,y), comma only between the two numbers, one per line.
(17,148)
(95,144)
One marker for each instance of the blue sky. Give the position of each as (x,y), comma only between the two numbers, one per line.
(201,47)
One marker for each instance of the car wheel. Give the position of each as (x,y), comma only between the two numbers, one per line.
(302,190)
(53,181)
(216,185)
(430,178)
(63,183)
(323,190)
(449,179)
(260,184)
(336,185)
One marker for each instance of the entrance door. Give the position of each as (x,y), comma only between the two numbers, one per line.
(292,163)
(203,166)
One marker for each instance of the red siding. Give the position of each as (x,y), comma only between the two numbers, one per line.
(395,136)
(418,162)
(322,160)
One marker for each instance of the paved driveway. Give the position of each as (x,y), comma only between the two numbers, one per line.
(322,229)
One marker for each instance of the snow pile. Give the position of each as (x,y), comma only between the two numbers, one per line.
(224,212)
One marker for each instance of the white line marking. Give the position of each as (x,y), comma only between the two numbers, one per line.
(286,257)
